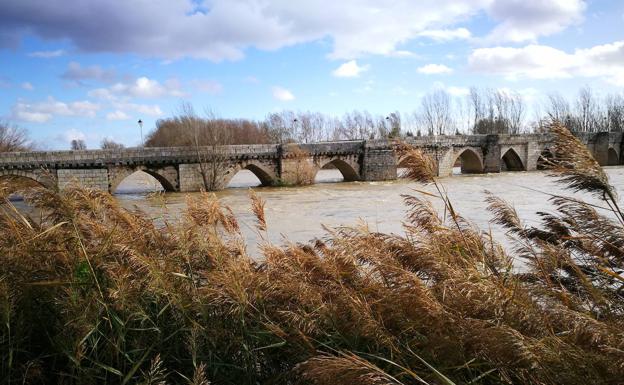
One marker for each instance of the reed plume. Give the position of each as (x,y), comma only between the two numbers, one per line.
(91,293)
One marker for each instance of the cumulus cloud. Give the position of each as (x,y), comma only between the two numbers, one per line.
(446,34)
(212,87)
(544,62)
(28,86)
(76,72)
(349,69)
(282,94)
(526,20)
(72,134)
(143,109)
(117,115)
(41,112)
(142,87)
(206,29)
(47,54)
(435,69)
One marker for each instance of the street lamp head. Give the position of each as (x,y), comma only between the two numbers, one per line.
(141,127)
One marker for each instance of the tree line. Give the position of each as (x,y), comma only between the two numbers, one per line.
(479,111)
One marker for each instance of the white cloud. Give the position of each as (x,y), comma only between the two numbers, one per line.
(526,20)
(28,86)
(544,62)
(402,54)
(457,91)
(41,112)
(435,69)
(282,94)
(47,54)
(446,34)
(349,69)
(212,87)
(76,72)
(142,87)
(73,134)
(206,29)
(117,115)
(143,109)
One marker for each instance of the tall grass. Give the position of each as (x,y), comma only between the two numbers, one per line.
(92,293)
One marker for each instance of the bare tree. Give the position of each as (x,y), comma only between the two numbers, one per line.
(615,113)
(587,112)
(436,112)
(558,108)
(509,112)
(477,105)
(109,144)
(208,137)
(78,144)
(13,138)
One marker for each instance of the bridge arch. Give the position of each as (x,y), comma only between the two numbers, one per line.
(613,157)
(511,161)
(265,175)
(119,174)
(470,161)
(33,178)
(348,171)
(401,168)
(544,157)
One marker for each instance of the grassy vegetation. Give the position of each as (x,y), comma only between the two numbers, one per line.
(92,293)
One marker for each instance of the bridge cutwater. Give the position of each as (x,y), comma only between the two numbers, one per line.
(185,168)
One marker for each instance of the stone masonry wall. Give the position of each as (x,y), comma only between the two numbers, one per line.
(379,162)
(96,178)
(190,177)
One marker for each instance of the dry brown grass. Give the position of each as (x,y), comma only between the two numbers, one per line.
(91,293)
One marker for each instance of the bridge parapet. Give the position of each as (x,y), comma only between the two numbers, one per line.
(129,156)
(324,148)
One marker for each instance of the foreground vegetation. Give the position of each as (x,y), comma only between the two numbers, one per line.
(92,293)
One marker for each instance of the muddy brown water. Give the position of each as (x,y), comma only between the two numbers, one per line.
(296,214)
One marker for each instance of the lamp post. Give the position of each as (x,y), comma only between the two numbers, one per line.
(140,122)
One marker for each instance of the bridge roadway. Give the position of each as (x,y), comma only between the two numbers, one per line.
(192,169)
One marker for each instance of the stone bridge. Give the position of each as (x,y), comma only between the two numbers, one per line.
(192,169)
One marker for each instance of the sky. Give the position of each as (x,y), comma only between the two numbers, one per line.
(90,69)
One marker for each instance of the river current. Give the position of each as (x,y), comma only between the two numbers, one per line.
(296,214)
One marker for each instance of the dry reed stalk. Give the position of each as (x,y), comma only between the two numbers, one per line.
(93,293)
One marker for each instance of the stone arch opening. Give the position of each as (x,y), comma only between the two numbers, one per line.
(511,161)
(613,159)
(347,172)
(16,184)
(545,157)
(401,169)
(141,182)
(250,176)
(468,162)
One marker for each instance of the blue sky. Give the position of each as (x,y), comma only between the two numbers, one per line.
(90,69)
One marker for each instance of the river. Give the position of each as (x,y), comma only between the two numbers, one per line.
(295,214)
